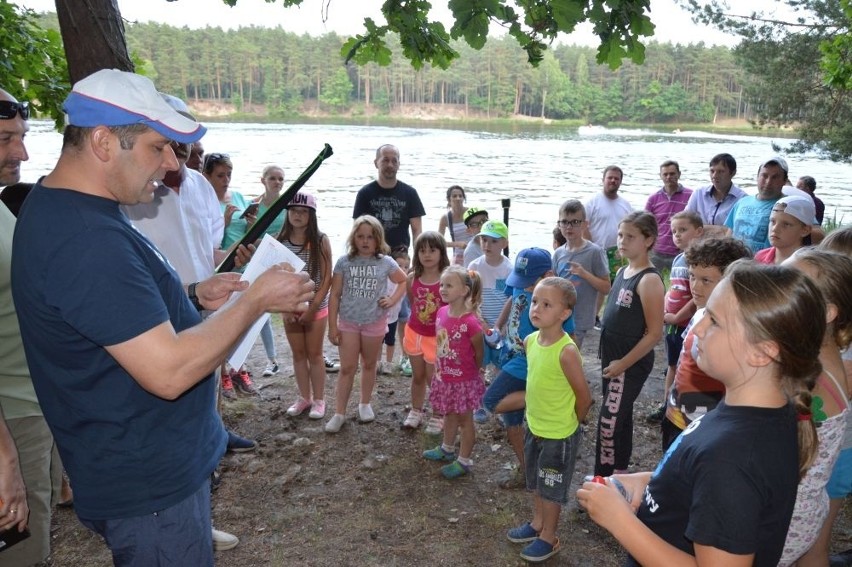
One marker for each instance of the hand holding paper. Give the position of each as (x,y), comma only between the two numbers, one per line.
(269,254)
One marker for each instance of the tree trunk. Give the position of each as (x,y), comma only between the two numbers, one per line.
(93,36)
(367,90)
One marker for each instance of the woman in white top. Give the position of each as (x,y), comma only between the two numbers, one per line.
(454,220)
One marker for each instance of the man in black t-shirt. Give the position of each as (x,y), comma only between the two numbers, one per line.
(396,204)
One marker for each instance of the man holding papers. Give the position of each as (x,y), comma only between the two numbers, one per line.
(120,359)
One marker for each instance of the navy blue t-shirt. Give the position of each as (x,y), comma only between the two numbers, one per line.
(393,207)
(83,278)
(728,481)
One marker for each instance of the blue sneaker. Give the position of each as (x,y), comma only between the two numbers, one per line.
(480,415)
(237,444)
(522,534)
(539,550)
(438,454)
(454,470)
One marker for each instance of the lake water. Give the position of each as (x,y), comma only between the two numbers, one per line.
(536,167)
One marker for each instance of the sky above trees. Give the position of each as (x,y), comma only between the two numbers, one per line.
(345,17)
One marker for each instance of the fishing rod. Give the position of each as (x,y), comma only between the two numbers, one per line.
(259,227)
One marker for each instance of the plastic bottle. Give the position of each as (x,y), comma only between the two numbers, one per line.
(611,480)
(492,338)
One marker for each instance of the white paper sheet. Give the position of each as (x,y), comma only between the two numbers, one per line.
(269,253)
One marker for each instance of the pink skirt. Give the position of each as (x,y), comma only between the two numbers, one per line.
(456,397)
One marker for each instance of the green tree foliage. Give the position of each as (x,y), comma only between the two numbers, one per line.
(338,91)
(32,62)
(620,25)
(292,74)
(799,72)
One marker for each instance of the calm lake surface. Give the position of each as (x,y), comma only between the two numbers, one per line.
(537,167)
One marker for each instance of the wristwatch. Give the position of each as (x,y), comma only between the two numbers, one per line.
(193,297)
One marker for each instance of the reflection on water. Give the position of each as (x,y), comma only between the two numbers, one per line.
(537,166)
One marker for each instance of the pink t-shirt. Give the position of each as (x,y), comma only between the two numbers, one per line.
(765,256)
(456,359)
(425,301)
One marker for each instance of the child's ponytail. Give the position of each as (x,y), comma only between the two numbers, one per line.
(782,306)
(805,425)
(471,280)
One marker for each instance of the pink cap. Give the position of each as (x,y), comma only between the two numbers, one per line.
(301,199)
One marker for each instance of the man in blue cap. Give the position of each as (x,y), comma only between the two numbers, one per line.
(120,360)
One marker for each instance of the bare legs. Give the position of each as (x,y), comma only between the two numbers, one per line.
(421,379)
(352,347)
(306,343)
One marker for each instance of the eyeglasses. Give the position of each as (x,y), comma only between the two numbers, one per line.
(476,224)
(9,109)
(563,223)
(212,159)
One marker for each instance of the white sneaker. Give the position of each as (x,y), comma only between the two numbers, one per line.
(412,421)
(271,368)
(223,541)
(317,409)
(365,413)
(330,366)
(435,425)
(335,423)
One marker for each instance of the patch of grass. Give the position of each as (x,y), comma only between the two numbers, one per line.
(832,223)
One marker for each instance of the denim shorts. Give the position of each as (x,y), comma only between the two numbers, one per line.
(503,385)
(549,464)
(404,309)
(490,355)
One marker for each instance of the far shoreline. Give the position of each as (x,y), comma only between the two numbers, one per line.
(452,117)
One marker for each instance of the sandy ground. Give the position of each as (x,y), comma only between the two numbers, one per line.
(366,497)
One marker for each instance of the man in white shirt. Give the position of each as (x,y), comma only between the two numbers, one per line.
(603,212)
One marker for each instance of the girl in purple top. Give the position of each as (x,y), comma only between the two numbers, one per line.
(457,386)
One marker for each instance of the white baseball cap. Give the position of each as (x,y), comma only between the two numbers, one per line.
(110,97)
(802,208)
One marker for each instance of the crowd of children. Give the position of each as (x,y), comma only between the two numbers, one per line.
(759,346)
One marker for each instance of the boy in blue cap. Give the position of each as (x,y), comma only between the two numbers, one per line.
(531,265)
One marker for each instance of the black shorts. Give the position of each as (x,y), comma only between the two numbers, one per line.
(390,336)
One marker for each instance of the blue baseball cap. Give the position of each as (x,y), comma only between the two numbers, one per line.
(530,265)
(110,97)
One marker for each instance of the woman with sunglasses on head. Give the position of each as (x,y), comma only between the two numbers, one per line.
(217,170)
(454,221)
(238,218)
